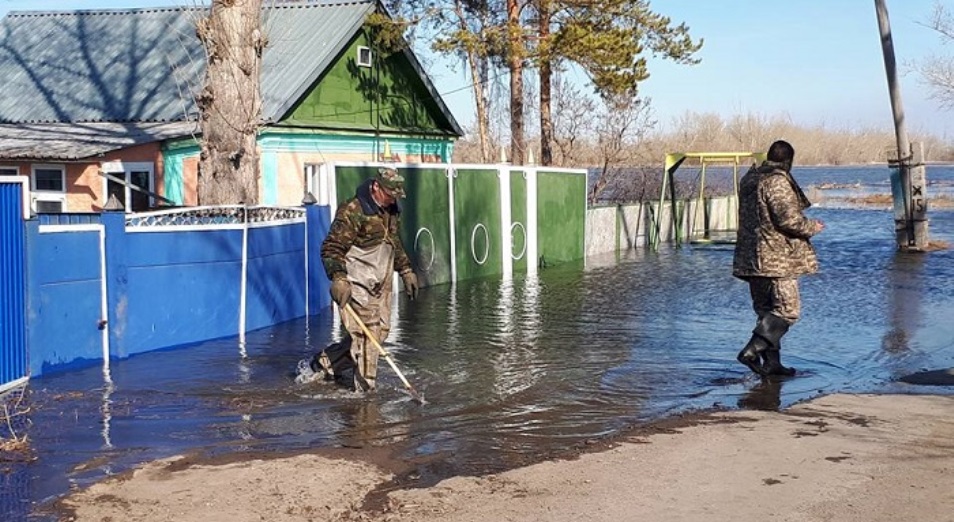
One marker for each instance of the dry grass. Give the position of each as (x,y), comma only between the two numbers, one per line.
(14,445)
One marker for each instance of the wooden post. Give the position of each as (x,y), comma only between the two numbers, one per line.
(910,216)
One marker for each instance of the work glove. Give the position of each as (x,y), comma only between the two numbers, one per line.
(410,284)
(341,291)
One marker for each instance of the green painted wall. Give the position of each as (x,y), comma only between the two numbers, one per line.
(389,96)
(561,217)
(518,219)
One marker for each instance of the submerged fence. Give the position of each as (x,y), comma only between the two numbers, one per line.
(101,286)
(111,285)
(613,228)
(79,288)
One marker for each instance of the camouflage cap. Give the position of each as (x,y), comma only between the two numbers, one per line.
(391,181)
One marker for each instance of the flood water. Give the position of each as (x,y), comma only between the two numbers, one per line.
(512,372)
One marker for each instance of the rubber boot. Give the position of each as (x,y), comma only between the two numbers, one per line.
(773,328)
(772,364)
(766,336)
(751,354)
(342,365)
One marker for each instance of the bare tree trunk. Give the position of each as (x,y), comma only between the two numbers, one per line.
(546,75)
(515,64)
(230,103)
(483,110)
(478,72)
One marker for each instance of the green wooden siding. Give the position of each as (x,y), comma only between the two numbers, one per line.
(389,96)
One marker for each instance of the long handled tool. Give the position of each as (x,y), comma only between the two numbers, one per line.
(354,315)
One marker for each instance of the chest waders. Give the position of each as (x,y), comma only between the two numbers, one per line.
(371,272)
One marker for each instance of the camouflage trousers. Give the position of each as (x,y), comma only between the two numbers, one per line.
(776,295)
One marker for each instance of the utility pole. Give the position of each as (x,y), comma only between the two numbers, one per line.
(908,182)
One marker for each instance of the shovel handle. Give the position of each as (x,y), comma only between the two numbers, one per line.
(387,356)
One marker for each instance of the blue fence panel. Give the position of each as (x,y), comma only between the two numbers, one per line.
(181,287)
(164,287)
(319,222)
(65,298)
(276,275)
(13,356)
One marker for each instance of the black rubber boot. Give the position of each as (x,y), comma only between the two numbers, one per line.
(773,328)
(342,365)
(751,354)
(766,336)
(772,364)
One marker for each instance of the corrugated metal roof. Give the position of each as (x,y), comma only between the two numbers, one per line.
(143,65)
(73,141)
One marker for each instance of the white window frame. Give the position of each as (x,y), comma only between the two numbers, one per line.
(123,169)
(48,195)
(14,168)
(358,53)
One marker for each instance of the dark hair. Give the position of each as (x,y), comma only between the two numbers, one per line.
(781,152)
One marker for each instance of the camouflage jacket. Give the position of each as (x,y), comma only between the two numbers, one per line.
(362,223)
(774,234)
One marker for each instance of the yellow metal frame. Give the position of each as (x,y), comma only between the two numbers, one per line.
(673,161)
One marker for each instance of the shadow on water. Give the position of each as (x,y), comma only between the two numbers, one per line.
(512,371)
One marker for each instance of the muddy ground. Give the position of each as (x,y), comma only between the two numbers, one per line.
(841,457)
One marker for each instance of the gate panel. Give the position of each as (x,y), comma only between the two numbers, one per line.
(425,216)
(425,224)
(477,223)
(518,220)
(561,216)
(69,296)
(13,357)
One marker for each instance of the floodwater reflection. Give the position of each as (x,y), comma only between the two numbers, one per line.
(513,371)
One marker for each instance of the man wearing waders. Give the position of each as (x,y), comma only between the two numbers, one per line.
(772,250)
(360,255)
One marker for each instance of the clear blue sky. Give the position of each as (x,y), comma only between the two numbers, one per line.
(819,61)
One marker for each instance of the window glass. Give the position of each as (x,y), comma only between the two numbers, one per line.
(49,207)
(140,200)
(8,171)
(48,179)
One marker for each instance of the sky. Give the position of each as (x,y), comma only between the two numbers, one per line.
(817,61)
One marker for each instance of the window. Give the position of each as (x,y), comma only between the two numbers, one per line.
(9,171)
(137,183)
(364,56)
(317,182)
(48,188)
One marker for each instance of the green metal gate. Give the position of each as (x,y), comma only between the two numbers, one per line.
(463,222)
(561,217)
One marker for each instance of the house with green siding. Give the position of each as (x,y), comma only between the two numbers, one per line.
(98,103)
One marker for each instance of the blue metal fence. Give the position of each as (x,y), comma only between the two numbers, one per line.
(13,358)
(111,285)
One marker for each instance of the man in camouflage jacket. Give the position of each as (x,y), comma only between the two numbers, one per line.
(772,250)
(360,254)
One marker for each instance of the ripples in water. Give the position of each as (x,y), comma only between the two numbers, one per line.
(513,371)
